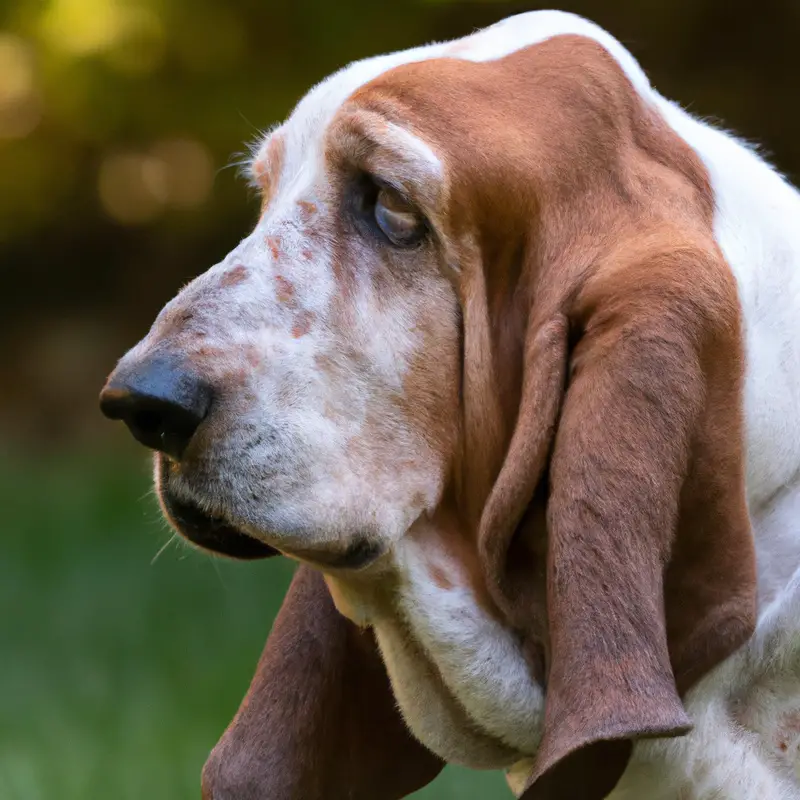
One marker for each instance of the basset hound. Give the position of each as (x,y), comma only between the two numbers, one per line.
(511,364)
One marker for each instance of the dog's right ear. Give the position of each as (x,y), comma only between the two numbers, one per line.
(648,562)
(319,721)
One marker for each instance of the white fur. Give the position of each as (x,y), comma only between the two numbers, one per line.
(478,659)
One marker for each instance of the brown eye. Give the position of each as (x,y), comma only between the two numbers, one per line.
(402,224)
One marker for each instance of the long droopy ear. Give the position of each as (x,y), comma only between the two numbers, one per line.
(649,561)
(319,721)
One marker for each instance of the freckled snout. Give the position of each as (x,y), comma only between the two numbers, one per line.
(160,399)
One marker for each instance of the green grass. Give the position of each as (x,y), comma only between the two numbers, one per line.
(117,675)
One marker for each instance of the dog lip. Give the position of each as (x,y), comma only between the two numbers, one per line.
(360,554)
(220,537)
(210,533)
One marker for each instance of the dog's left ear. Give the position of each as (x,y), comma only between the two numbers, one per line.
(649,560)
(319,721)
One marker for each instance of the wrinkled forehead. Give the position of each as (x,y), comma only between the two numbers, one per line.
(296,147)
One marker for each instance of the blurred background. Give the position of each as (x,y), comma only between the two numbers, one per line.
(124,655)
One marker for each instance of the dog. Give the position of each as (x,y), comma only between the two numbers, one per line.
(511,364)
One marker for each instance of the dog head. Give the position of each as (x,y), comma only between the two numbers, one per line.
(485,277)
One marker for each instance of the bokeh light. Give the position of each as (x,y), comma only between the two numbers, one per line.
(223,34)
(140,47)
(86,27)
(136,187)
(131,187)
(20,106)
(187,169)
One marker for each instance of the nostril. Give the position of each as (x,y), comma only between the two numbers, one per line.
(164,426)
(148,422)
(147,427)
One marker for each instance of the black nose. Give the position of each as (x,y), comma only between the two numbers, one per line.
(160,400)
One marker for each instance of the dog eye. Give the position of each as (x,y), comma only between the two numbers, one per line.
(399,221)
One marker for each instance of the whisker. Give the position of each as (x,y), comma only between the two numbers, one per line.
(214,561)
(164,547)
(239,160)
(151,492)
(258,130)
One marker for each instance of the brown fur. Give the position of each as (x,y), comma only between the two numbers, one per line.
(274,244)
(308,211)
(302,324)
(234,276)
(599,477)
(267,169)
(284,290)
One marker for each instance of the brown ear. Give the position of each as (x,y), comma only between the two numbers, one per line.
(319,720)
(650,569)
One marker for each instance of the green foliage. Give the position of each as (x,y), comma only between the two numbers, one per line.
(118,675)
